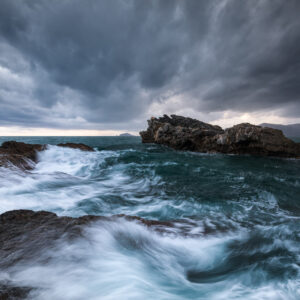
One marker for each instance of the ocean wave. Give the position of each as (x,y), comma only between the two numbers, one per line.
(235,223)
(126,260)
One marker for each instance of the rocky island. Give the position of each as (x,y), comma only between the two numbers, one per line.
(182,133)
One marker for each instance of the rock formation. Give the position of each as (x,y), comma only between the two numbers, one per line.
(23,233)
(26,236)
(182,133)
(19,154)
(24,156)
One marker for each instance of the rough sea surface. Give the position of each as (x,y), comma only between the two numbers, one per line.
(236,232)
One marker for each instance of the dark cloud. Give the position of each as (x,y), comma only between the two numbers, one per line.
(84,64)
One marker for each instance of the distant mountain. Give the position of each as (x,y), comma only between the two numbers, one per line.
(126,134)
(292,130)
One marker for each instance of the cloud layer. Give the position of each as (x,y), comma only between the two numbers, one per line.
(110,64)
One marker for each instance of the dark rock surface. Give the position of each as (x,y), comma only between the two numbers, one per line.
(19,154)
(182,133)
(25,235)
(81,147)
(24,156)
(28,237)
(10,292)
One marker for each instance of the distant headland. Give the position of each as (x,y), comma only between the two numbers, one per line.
(126,134)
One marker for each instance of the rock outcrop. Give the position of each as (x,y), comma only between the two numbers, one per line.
(182,133)
(19,154)
(24,156)
(26,236)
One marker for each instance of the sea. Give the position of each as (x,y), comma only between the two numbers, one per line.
(235,230)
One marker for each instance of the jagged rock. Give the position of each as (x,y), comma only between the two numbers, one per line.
(178,132)
(24,156)
(189,134)
(250,139)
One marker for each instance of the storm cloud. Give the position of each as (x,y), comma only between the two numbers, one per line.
(108,64)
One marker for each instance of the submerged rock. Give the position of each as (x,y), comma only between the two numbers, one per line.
(81,147)
(24,156)
(182,133)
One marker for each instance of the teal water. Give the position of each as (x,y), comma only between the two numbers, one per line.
(236,222)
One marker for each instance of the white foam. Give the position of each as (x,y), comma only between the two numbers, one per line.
(119,260)
(124,260)
(61,178)
(64,177)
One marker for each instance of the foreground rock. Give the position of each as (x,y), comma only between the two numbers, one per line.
(29,238)
(19,154)
(24,156)
(26,236)
(189,134)
(24,233)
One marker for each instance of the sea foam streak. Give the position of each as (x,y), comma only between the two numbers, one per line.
(124,260)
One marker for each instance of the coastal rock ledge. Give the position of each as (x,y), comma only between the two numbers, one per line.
(189,134)
(25,156)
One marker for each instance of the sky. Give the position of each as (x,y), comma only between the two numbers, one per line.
(102,67)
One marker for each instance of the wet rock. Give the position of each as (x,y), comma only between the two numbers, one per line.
(19,154)
(24,233)
(81,147)
(9,292)
(24,156)
(28,237)
(182,133)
